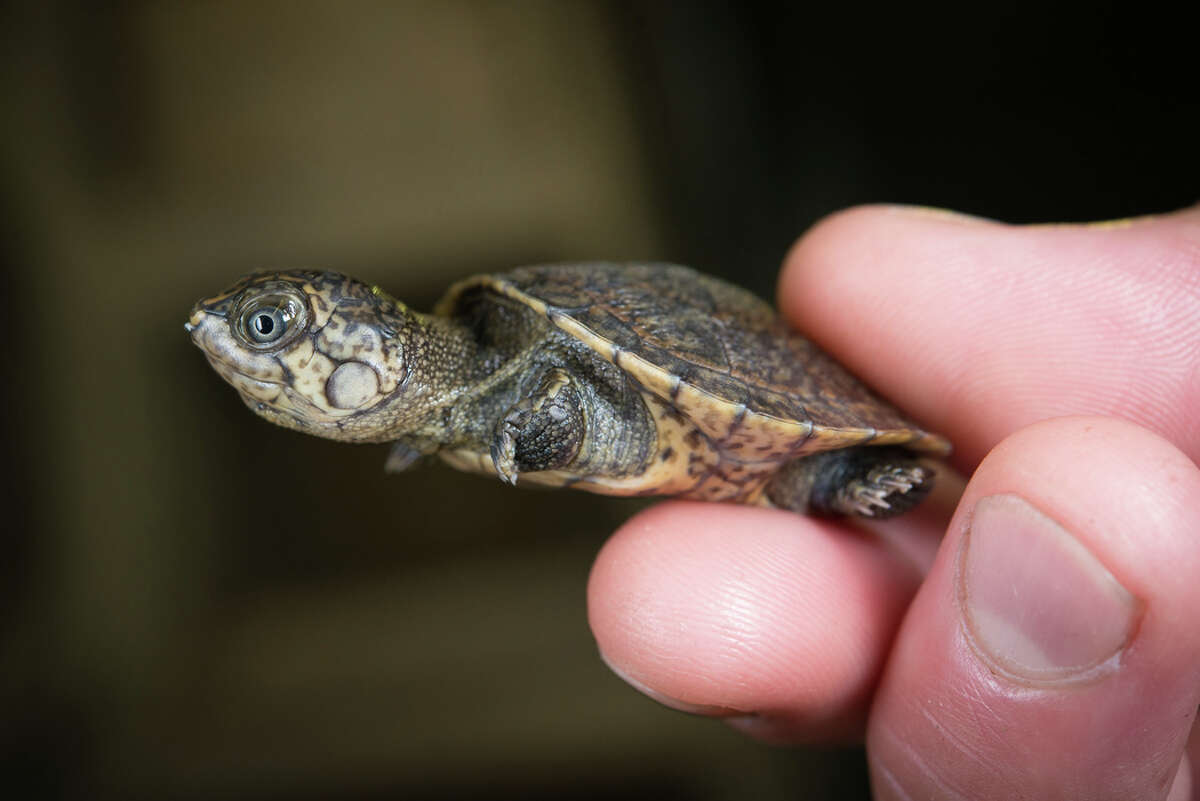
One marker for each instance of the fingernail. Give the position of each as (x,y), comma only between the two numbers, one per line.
(942,215)
(707,710)
(1099,225)
(1037,604)
(1123,222)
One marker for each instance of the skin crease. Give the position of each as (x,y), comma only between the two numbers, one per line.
(800,630)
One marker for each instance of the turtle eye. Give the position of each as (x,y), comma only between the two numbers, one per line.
(267,325)
(270,321)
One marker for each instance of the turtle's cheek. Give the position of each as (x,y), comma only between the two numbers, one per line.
(352,385)
(211,334)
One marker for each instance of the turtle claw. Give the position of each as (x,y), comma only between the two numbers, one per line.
(886,491)
(504,447)
(506,472)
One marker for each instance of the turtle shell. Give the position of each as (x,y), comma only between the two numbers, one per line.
(715,353)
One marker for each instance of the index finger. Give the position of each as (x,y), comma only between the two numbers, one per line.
(978,329)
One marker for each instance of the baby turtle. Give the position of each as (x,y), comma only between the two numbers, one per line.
(624,379)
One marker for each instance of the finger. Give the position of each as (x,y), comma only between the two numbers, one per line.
(1052,652)
(978,329)
(1184,788)
(733,611)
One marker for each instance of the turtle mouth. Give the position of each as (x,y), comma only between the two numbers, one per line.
(233,373)
(196,325)
(201,329)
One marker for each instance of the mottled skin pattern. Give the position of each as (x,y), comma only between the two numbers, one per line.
(622,379)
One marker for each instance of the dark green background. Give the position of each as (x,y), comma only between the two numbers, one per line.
(199,605)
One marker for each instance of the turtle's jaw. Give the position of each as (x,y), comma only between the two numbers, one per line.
(211,333)
(257,377)
(195,323)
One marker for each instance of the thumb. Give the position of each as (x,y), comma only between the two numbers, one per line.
(1053,651)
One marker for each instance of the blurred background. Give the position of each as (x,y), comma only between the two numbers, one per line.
(180,618)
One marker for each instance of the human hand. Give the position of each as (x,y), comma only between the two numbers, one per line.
(1042,639)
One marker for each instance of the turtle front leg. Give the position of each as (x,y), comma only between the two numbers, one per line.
(542,431)
(867,481)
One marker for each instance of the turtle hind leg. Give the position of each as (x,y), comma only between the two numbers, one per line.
(875,482)
(885,491)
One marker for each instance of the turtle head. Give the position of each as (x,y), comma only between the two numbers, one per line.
(313,351)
